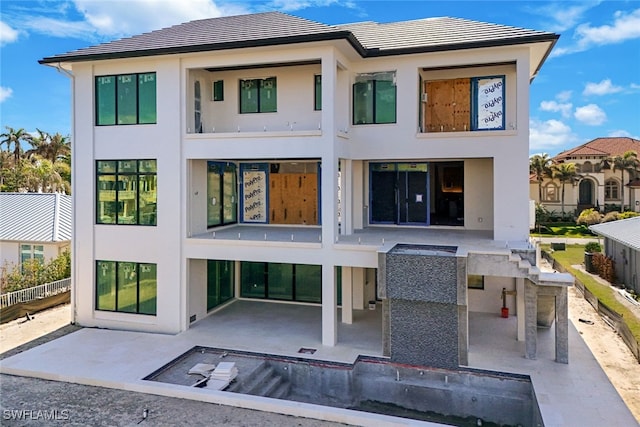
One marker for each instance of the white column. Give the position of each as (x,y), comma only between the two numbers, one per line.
(358,288)
(346,189)
(347,295)
(329,306)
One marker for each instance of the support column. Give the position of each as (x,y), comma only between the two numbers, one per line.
(347,296)
(531,324)
(562,327)
(358,287)
(346,185)
(329,306)
(520,308)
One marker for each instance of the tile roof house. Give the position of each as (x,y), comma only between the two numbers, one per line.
(599,185)
(34,225)
(272,158)
(622,243)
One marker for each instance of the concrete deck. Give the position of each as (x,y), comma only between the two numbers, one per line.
(577,394)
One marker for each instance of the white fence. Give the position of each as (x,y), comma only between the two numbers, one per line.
(36,292)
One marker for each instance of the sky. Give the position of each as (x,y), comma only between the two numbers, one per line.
(589,87)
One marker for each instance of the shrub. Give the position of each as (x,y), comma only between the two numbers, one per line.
(592,247)
(610,207)
(605,267)
(589,217)
(33,273)
(629,214)
(611,216)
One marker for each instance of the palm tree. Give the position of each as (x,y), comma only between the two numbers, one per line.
(15,137)
(566,173)
(629,162)
(540,166)
(42,176)
(51,147)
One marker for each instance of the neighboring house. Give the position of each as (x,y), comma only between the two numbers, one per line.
(598,185)
(622,243)
(274,158)
(33,226)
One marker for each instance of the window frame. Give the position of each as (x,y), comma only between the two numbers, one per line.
(545,193)
(117,289)
(499,98)
(372,105)
(98,98)
(609,185)
(475,281)
(259,89)
(136,176)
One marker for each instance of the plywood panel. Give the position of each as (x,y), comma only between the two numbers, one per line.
(293,198)
(440,105)
(462,105)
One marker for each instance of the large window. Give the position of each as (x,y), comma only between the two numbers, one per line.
(126,99)
(126,192)
(222,194)
(258,96)
(374,98)
(611,190)
(289,282)
(220,282)
(465,104)
(127,287)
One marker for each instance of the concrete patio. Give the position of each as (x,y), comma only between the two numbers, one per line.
(577,394)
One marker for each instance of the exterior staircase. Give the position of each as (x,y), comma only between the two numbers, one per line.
(262,381)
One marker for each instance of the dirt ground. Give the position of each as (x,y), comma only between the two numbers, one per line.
(608,348)
(610,351)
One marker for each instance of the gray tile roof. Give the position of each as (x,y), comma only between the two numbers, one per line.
(432,34)
(369,39)
(625,231)
(35,217)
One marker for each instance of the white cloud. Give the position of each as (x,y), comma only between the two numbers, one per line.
(119,18)
(626,26)
(605,87)
(624,133)
(564,108)
(7,34)
(564,96)
(591,115)
(5,92)
(565,17)
(549,134)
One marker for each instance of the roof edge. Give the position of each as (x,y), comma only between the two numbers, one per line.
(276,41)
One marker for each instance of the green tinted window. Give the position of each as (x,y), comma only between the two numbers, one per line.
(106,285)
(147,288)
(308,283)
(126,98)
(385,102)
(317,93)
(147,98)
(253,280)
(106,100)
(249,96)
(126,287)
(280,281)
(220,283)
(258,95)
(126,192)
(374,98)
(268,102)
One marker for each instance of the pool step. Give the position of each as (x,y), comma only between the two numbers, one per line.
(263,381)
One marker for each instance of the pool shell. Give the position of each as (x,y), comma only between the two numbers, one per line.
(458,397)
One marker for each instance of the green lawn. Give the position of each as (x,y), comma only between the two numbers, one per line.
(573,255)
(564,230)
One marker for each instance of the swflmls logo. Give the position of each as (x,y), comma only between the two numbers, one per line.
(38,415)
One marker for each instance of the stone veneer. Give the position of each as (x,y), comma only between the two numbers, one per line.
(421,310)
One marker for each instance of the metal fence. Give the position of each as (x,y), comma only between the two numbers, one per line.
(36,292)
(611,317)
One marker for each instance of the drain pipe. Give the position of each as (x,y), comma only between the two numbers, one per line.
(74,250)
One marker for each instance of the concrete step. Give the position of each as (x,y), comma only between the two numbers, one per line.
(246,380)
(260,378)
(282,391)
(268,388)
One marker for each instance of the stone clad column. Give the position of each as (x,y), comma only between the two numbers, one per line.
(531,322)
(562,327)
